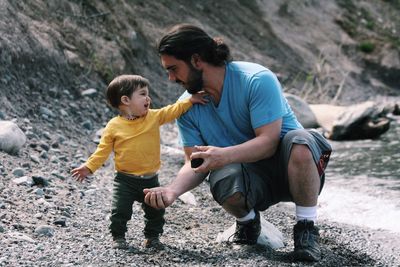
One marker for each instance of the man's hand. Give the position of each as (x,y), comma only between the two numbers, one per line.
(214,158)
(159,197)
(80,173)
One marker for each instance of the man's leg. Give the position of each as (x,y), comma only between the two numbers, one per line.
(304,180)
(304,186)
(303,157)
(231,189)
(235,205)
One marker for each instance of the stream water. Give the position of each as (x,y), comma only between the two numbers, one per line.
(363,182)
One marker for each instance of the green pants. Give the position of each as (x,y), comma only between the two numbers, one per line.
(126,190)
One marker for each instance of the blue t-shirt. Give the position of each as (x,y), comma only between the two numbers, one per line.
(251,97)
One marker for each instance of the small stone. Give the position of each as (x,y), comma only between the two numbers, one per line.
(44,230)
(39,192)
(24,180)
(45,146)
(87,125)
(40,180)
(34,158)
(62,221)
(18,172)
(43,155)
(26,165)
(46,112)
(89,92)
(47,135)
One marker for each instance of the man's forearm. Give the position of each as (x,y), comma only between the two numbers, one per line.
(252,150)
(263,146)
(186,180)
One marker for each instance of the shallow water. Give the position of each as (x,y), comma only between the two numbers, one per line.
(363,182)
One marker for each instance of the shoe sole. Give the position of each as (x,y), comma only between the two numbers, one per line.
(304,255)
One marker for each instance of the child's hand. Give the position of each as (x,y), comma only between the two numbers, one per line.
(199,98)
(80,173)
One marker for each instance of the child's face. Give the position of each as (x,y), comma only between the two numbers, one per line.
(139,102)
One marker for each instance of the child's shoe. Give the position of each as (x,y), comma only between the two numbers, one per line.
(119,243)
(153,242)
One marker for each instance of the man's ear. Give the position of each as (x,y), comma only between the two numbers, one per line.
(125,99)
(196,61)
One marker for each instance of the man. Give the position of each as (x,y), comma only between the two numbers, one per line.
(253,148)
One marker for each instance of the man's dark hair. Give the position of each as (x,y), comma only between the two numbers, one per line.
(124,85)
(184,40)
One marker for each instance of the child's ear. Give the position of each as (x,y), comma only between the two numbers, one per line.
(125,100)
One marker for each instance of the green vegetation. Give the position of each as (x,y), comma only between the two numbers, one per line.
(103,69)
(366,46)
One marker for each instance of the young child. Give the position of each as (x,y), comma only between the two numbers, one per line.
(134,136)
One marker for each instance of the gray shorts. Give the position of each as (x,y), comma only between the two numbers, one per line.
(265,182)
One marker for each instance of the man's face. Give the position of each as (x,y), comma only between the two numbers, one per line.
(194,83)
(182,73)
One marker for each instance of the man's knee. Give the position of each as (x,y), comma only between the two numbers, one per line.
(300,154)
(234,200)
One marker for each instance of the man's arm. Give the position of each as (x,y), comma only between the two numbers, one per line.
(186,179)
(262,146)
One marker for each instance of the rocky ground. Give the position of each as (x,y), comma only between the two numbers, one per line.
(48,219)
(54,54)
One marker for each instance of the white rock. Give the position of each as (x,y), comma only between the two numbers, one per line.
(44,203)
(11,137)
(270,236)
(188,198)
(20,237)
(24,180)
(89,92)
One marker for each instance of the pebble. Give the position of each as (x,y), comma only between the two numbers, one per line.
(18,172)
(34,158)
(89,92)
(44,230)
(40,180)
(62,221)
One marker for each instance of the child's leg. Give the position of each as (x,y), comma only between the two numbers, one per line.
(121,213)
(153,218)
(154,221)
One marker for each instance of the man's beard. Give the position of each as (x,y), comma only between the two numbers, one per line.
(194,83)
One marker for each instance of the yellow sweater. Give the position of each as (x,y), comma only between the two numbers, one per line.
(136,143)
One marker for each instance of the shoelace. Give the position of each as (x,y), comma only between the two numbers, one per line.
(233,235)
(304,237)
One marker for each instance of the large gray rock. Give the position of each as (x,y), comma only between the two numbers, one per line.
(302,110)
(362,121)
(11,137)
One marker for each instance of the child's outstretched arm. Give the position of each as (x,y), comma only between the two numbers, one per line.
(81,172)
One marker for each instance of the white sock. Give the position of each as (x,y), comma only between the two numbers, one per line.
(250,216)
(306,213)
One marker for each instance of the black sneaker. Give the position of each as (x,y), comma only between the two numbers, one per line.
(306,238)
(153,242)
(247,233)
(119,242)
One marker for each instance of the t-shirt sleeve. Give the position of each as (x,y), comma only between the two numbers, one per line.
(189,132)
(266,102)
